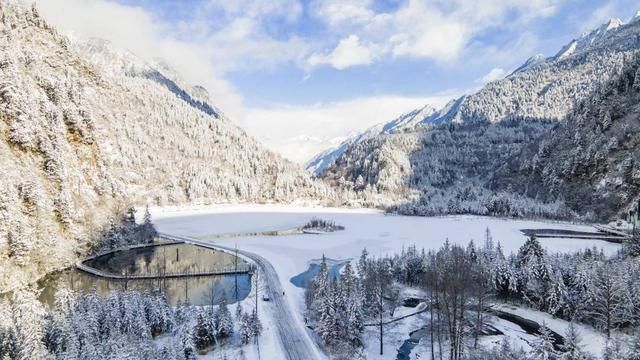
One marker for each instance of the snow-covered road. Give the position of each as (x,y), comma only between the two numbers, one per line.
(295,338)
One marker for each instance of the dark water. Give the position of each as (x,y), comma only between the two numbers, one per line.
(200,290)
(303,280)
(166,259)
(407,346)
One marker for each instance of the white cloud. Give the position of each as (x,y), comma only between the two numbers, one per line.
(599,16)
(202,55)
(493,75)
(430,29)
(136,30)
(286,129)
(349,52)
(289,10)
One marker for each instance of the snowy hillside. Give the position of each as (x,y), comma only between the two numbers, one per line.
(87,130)
(442,163)
(541,87)
(592,159)
(405,122)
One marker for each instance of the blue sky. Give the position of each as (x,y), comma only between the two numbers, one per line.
(301,75)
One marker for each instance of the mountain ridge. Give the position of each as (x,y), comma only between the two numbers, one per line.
(474,106)
(83,138)
(445,168)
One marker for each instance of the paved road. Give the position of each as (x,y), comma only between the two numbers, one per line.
(295,339)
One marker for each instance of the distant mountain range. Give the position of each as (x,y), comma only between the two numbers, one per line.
(541,87)
(449,161)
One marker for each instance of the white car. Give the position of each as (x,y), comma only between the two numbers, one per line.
(265,297)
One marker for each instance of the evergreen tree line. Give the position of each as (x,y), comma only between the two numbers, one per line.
(462,282)
(122,325)
(126,232)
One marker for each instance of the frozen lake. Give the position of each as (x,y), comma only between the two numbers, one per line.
(379,233)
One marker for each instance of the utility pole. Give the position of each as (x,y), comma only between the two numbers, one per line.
(236,273)
(256,286)
(381,313)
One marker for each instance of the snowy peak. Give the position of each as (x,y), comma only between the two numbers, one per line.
(589,39)
(406,122)
(531,62)
(116,62)
(409,120)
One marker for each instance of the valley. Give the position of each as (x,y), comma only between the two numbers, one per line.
(139,221)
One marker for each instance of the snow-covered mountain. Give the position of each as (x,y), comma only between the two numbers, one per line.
(591,159)
(589,39)
(541,87)
(405,122)
(429,168)
(87,130)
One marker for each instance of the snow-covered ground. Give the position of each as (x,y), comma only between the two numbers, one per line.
(378,232)
(593,341)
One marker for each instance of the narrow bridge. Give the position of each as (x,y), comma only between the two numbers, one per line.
(240,268)
(601,234)
(243,268)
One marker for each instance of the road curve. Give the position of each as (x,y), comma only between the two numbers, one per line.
(295,338)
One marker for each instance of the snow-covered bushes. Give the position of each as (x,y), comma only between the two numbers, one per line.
(317,224)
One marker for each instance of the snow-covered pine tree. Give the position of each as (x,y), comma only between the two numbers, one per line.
(608,302)
(329,326)
(20,244)
(245,329)
(204,330)
(28,317)
(533,273)
(542,348)
(614,349)
(633,352)
(256,324)
(222,320)
(8,341)
(558,294)
(571,349)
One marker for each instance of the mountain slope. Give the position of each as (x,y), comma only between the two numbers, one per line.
(416,173)
(405,122)
(592,159)
(541,87)
(84,133)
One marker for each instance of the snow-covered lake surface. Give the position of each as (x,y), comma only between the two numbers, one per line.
(378,232)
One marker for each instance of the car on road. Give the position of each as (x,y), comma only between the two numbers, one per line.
(265,297)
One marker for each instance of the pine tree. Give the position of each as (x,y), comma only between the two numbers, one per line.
(571,348)
(20,244)
(636,81)
(147,230)
(613,349)
(256,324)
(607,298)
(28,315)
(354,321)
(222,320)
(8,341)
(633,353)
(542,348)
(204,331)
(533,273)
(246,331)
(556,301)
(329,325)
